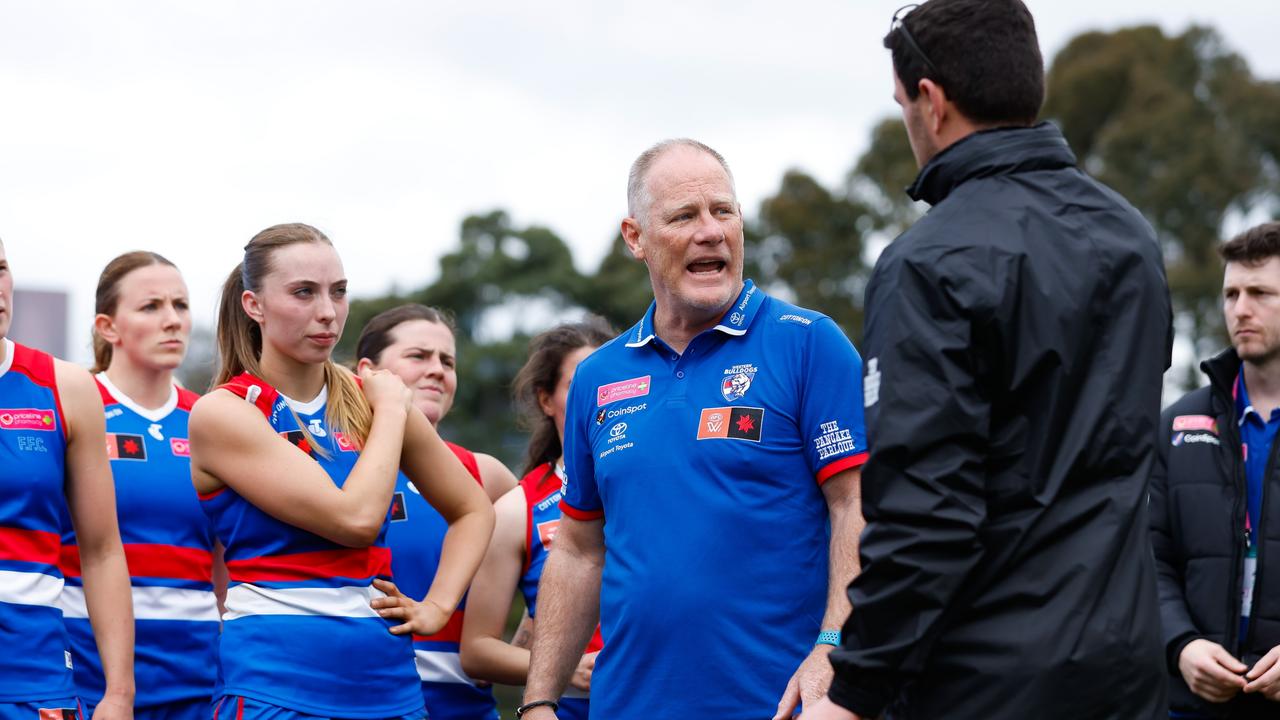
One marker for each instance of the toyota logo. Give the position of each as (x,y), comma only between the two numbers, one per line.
(617,430)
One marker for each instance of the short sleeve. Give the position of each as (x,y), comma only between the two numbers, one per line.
(831,409)
(581,497)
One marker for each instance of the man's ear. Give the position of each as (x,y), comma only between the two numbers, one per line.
(631,236)
(937,106)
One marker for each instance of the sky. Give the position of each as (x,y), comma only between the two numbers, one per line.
(185,128)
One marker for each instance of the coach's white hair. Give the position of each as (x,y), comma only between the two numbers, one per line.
(639,200)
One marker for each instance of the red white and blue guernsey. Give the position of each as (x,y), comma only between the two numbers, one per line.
(298,632)
(35,661)
(706,467)
(543,490)
(168,543)
(416,536)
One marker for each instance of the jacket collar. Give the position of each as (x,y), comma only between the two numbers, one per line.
(1222,370)
(999,151)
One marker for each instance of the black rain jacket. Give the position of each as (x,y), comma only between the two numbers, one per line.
(1015,344)
(1197,532)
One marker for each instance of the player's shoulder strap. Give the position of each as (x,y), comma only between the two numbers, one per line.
(253,389)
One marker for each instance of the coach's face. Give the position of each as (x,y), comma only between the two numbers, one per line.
(690,236)
(1251,303)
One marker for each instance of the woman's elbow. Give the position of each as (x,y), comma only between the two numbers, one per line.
(356,533)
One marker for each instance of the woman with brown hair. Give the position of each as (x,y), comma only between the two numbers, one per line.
(528,517)
(140,338)
(295,462)
(52,464)
(416,342)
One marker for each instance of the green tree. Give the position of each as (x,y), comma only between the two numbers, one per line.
(809,244)
(498,268)
(1181,128)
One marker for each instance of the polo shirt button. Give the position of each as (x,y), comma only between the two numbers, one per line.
(680,373)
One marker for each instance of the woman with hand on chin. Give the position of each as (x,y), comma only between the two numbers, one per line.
(295,463)
(139,339)
(417,343)
(528,517)
(52,463)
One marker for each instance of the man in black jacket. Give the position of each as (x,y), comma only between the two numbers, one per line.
(1213,520)
(1016,340)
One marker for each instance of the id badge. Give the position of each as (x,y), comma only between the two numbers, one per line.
(1250,575)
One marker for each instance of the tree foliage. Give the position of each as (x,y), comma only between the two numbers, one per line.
(1181,128)
(1177,124)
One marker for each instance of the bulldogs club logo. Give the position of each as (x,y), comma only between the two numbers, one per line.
(737,381)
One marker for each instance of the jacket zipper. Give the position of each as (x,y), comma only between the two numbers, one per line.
(1258,533)
(1235,449)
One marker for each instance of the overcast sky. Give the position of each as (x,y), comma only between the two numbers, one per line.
(187,127)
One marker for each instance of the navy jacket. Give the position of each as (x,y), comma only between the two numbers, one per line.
(1197,532)
(1015,344)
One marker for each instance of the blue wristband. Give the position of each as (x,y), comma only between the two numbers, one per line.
(828,637)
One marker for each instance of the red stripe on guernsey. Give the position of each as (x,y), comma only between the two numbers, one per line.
(535,491)
(186,399)
(107,398)
(596,642)
(320,565)
(844,463)
(35,546)
(152,561)
(38,367)
(265,396)
(577,514)
(212,495)
(451,632)
(468,459)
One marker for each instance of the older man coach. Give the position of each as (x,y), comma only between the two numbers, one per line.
(707,451)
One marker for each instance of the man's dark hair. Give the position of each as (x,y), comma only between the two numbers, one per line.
(1253,246)
(984,53)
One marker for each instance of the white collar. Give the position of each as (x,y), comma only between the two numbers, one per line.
(154,415)
(310,407)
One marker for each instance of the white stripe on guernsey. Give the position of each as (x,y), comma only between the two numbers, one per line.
(29,588)
(446,667)
(245,600)
(441,667)
(151,603)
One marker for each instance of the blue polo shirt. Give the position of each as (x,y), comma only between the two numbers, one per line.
(1256,435)
(706,468)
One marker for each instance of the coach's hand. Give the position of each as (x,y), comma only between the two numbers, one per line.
(1264,677)
(1211,672)
(808,685)
(827,710)
(420,618)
